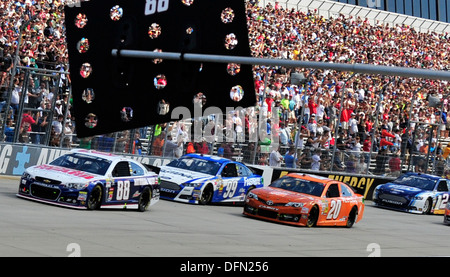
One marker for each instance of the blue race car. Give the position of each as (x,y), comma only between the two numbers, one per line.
(415,193)
(85,179)
(204,179)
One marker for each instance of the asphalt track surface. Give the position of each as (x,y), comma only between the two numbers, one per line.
(168,229)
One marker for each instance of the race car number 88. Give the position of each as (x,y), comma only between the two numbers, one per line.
(123,190)
(154,6)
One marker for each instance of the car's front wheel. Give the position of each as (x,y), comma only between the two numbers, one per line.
(313,217)
(427,206)
(207,195)
(95,198)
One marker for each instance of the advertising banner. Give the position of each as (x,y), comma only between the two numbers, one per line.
(15,158)
(362,184)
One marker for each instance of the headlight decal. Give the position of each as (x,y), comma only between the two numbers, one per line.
(76,186)
(252,195)
(294,204)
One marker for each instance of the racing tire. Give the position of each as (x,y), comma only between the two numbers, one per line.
(207,195)
(249,189)
(352,217)
(313,216)
(144,199)
(95,198)
(427,206)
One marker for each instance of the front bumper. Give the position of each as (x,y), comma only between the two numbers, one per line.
(280,214)
(52,194)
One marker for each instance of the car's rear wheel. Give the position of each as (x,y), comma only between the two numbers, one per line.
(207,195)
(352,217)
(95,198)
(313,217)
(249,189)
(144,199)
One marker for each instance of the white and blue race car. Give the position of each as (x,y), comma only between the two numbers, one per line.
(415,193)
(85,179)
(204,179)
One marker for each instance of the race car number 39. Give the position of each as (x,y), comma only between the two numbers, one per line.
(156,6)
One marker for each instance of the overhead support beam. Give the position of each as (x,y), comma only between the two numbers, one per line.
(355,68)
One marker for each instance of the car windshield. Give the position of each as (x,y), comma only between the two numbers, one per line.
(197,165)
(415,181)
(82,162)
(299,185)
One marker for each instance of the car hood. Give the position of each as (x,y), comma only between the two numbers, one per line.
(397,189)
(61,173)
(278,195)
(181,176)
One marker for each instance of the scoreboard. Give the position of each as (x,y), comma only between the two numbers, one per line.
(114,93)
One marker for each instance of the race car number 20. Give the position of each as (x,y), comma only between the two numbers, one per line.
(335,208)
(156,6)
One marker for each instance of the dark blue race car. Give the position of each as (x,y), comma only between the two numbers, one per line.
(414,193)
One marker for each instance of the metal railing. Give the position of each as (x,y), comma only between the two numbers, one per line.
(153,140)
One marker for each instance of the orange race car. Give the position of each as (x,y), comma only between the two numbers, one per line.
(306,200)
(447,214)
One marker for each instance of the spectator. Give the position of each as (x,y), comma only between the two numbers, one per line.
(170,147)
(305,160)
(9,130)
(380,161)
(395,165)
(190,148)
(158,144)
(289,158)
(202,147)
(137,144)
(275,158)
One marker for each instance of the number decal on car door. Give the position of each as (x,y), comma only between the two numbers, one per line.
(442,200)
(123,190)
(335,208)
(230,188)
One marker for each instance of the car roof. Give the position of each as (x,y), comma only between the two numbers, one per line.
(423,175)
(209,158)
(311,177)
(99,154)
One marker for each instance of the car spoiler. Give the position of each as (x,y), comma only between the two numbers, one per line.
(153,168)
(256,170)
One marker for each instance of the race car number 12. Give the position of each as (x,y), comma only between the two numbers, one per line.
(156,6)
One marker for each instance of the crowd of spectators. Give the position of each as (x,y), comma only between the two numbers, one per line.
(359,114)
(35,30)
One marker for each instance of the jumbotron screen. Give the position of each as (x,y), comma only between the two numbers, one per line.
(114,93)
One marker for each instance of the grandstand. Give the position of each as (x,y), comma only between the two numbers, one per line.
(375,15)
(388,115)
